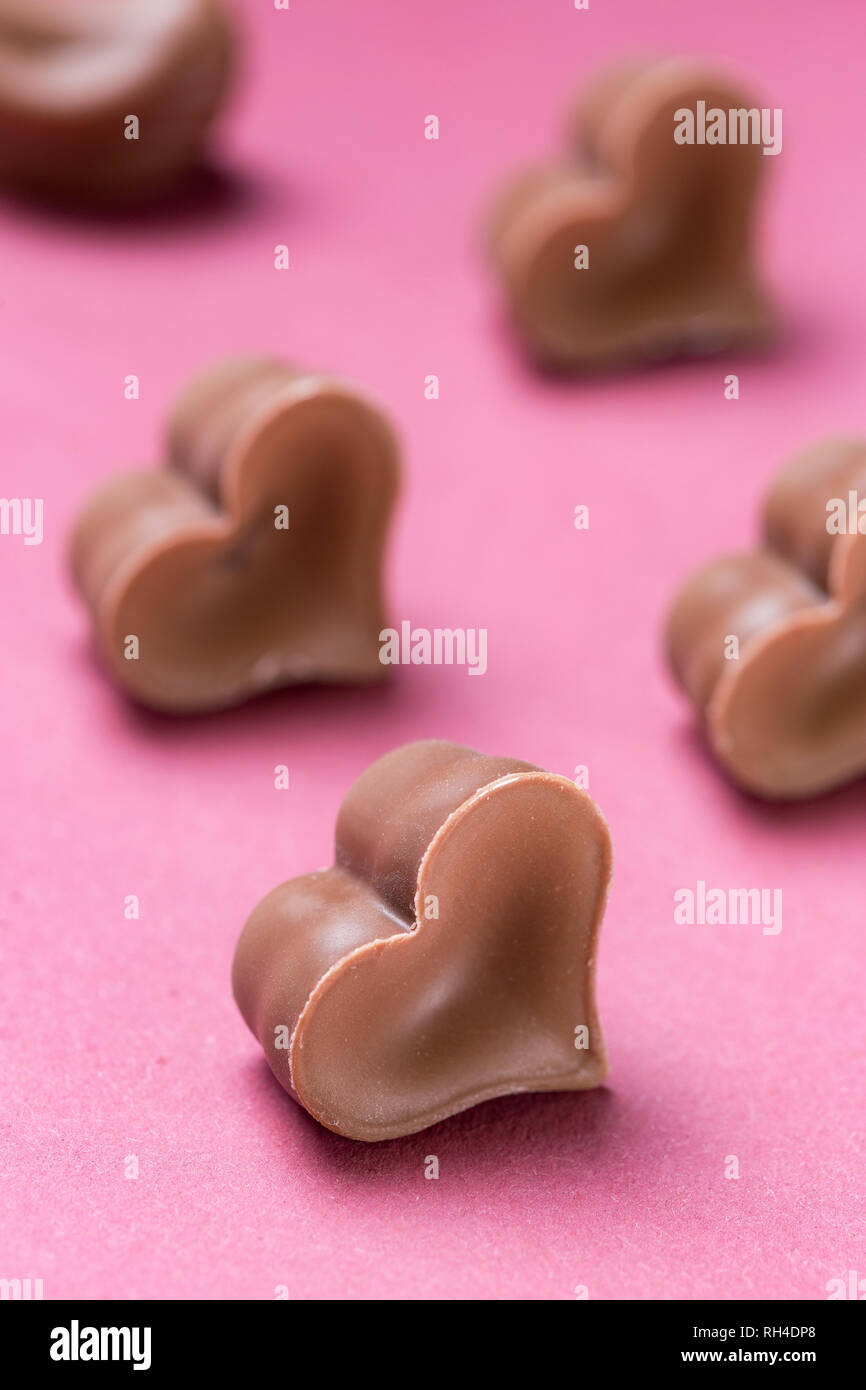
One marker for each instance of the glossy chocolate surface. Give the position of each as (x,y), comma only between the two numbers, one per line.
(668,228)
(381,1018)
(787,717)
(254,558)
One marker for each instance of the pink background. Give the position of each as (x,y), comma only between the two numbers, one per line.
(120,1037)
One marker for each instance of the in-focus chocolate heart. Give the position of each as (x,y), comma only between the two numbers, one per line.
(771,645)
(108,100)
(254,558)
(447,957)
(635,246)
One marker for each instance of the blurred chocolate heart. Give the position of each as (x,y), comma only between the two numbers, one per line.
(254,559)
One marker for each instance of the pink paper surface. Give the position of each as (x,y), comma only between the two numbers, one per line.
(120,1038)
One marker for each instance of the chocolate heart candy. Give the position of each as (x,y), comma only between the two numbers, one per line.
(72,74)
(447,957)
(253,560)
(784,705)
(666,227)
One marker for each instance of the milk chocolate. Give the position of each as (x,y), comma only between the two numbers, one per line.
(72,73)
(667,228)
(253,559)
(784,708)
(448,955)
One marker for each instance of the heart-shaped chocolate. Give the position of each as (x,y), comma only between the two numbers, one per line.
(637,246)
(108,100)
(771,645)
(447,957)
(253,560)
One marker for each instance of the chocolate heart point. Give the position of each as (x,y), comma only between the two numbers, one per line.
(447,957)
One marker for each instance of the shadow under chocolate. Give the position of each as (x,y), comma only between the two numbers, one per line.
(517,1129)
(825,810)
(208,196)
(801,337)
